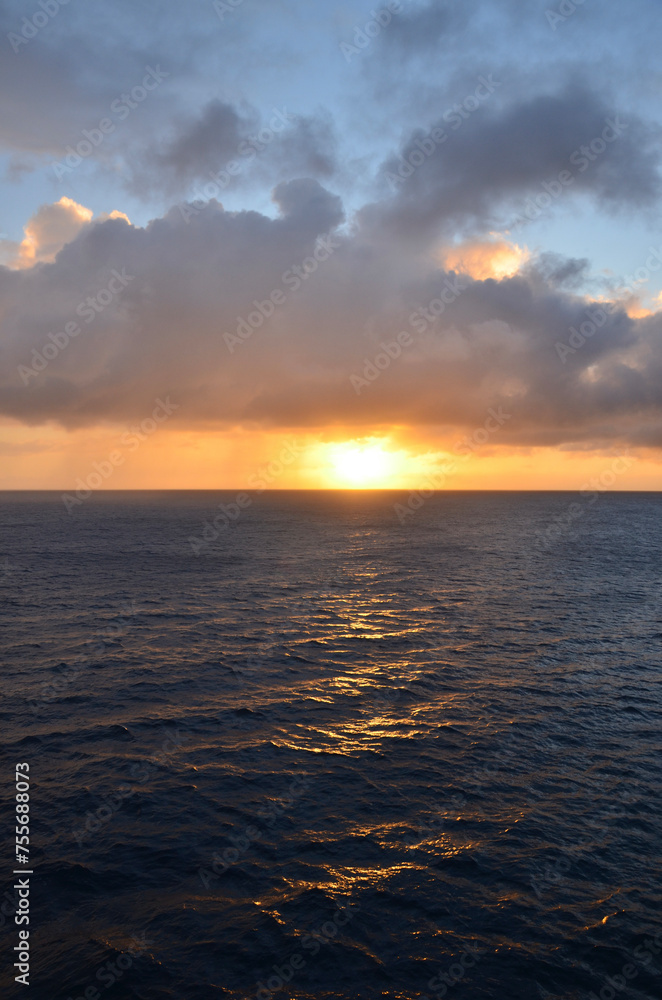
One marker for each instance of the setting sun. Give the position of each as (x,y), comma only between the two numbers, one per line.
(370,463)
(362,465)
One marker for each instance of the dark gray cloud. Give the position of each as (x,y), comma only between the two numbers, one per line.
(306,205)
(200,147)
(562,272)
(481,165)
(310,147)
(230,147)
(415,31)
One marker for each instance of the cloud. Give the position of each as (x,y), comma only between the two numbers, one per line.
(307,205)
(48,230)
(477,342)
(199,147)
(310,147)
(481,259)
(226,147)
(420,30)
(481,166)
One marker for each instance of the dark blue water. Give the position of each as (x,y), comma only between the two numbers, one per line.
(335,755)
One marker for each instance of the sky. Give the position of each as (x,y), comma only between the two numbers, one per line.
(277,244)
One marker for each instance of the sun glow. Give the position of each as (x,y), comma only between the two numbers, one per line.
(362,465)
(372,463)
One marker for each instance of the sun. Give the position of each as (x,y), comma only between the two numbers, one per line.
(362,465)
(370,463)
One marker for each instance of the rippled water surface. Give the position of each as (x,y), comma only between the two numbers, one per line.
(334,755)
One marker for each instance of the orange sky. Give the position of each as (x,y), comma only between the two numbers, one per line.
(51,458)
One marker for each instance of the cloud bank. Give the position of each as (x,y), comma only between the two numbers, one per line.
(281,322)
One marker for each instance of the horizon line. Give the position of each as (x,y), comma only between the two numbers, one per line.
(318,489)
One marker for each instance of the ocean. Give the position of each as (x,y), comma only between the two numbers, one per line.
(332,746)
